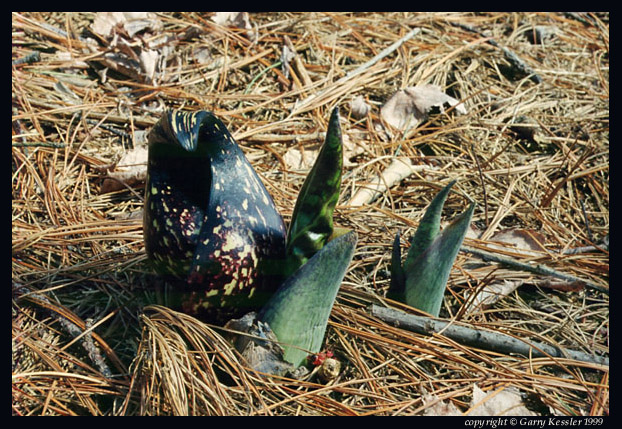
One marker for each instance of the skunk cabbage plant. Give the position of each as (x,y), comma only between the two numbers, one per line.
(421,281)
(210,222)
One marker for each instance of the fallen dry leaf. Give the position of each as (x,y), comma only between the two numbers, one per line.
(359,107)
(234,19)
(524,242)
(398,170)
(410,106)
(439,408)
(131,169)
(502,402)
(149,60)
(132,22)
(301,158)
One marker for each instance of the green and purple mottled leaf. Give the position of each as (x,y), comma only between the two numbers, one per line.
(427,275)
(298,312)
(312,219)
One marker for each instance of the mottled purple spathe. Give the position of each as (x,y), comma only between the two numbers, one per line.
(208,217)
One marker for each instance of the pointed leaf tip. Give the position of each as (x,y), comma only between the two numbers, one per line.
(429,226)
(312,219)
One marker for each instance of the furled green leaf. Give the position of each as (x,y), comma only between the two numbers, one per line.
(428,227)
(312,219)
(298,312)
(426,277)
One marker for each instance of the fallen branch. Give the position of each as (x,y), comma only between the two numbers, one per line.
(487,340)
(537,269)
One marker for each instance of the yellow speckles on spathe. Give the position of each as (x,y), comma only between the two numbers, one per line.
(217,186)
(228,288)
(165,207)
(245,204)
(173,117)
(156,225)
(154,190)
(169,223)
(233,241)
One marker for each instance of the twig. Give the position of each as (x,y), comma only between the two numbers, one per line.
(493,341)
(537,269)
(601,246)
(38,144)
(32,57)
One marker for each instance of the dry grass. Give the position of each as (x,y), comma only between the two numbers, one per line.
(82,343)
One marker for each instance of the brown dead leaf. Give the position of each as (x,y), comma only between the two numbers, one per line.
(234,19)
(522,241)
(359,107)
(398,170)
(130,170)
(501,402)
(132,22)
(301,158)
(526,242)
(409,107)
(438,407)
(148,61)
(135,57)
